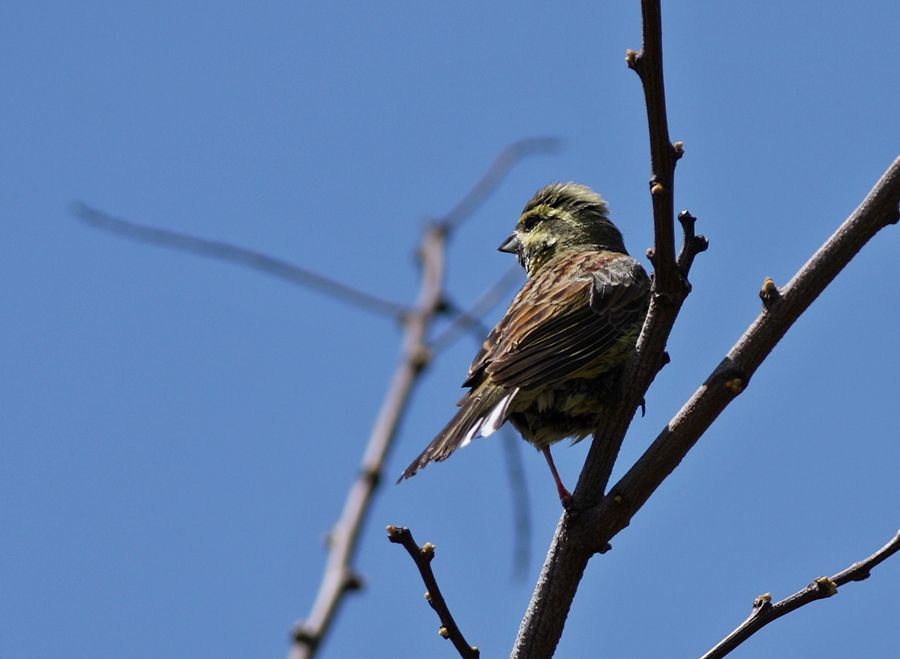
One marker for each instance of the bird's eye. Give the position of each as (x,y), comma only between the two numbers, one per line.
(530,222)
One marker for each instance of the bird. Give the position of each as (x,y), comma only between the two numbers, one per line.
(551,363)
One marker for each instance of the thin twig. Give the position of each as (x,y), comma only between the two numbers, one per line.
(470,319)
(339,577)
(764,611)
(248,258)
(543,622)
(422,556)
(487,184)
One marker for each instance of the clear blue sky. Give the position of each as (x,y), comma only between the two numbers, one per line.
(177,434)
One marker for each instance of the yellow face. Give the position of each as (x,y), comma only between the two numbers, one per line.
(558,218)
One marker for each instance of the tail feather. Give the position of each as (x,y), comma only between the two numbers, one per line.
(480,414)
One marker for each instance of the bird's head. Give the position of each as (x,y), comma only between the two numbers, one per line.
(560,217)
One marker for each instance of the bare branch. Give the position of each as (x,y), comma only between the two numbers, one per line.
(542,625)
(495,174)
(590,527)
(339,578)
(422,557)
(587,531)
(345,535)
(248,258)
(730,378)
(648,64)
(765,612)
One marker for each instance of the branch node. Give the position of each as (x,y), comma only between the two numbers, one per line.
(427,551)
(761,602)
(370,476)
(657,188)
(677,150)
(826,586)
(444,632)
(353,582)
(769,293)
(302,636)
(735,385)
(419,358)
(631,58)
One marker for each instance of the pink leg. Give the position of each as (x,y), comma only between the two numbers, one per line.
(564,496)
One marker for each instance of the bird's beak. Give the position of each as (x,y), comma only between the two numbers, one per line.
(511,245)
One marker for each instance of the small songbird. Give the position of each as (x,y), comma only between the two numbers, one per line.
(550,364)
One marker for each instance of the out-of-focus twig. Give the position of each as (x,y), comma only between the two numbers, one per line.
(422,557)
(764,611)
(248,258)
(470,319)
(518,487)
(339,577)
(498,170)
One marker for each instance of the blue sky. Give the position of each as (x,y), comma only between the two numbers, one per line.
(178,434)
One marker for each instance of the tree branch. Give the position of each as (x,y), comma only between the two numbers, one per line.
(339,577)
(422,558)
(591,525)
(730,378)
(570,551)
(765,612)
(248,258)
(589,531)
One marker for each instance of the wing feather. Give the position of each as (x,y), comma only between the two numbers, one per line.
(564,319)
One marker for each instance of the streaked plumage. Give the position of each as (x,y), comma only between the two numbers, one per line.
(549,364)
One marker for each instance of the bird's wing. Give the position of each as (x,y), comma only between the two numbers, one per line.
(564,319)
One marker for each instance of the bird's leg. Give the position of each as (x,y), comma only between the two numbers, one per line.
(564,497)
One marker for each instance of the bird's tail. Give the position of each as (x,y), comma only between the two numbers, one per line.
(481,413)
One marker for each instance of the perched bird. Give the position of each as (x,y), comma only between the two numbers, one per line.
(549,365)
